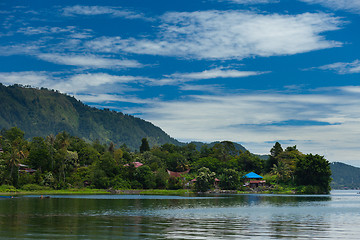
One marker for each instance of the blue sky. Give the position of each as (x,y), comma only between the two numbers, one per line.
(248,71)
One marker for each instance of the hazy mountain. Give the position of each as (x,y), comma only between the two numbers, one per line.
(40,112)
(345,176)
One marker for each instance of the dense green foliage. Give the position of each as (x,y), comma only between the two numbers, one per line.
(345,176)
(64,161)
(41,112)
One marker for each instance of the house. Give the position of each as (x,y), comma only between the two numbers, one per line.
(177,174)
(135,164)
(254,180)
(25,169)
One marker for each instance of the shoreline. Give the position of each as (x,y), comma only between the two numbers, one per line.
(179,192)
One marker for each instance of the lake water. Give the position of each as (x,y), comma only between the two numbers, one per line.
(250,216)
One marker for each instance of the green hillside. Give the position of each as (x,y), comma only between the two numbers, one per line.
(40,112)
(345,176)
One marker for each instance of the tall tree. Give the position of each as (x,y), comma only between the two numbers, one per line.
(275,151)
(144,145)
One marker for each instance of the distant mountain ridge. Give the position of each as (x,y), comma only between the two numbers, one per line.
(237,146)
(41,112)
(345,176)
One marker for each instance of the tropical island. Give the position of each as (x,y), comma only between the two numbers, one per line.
(51,141)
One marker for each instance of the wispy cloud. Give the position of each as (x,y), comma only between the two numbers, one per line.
(229,35)
(215,73)
(342,67)
(45,30)
(179,78)
(72,84)
(88,61)
(107,98)
(251,2)
(347,5)
(32,78)
(350,89)
(101,10)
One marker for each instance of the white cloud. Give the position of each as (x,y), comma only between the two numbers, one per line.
(229,35)
(347,5)
(88,61)
(74,84)
(45,30)
(213,88)
(178,78)
(95,82)
(342,67)
(250,2)
(25,78)
(215,73)
(106,98)
(351,89)
(101,10)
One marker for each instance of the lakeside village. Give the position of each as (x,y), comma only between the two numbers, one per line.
(68,162)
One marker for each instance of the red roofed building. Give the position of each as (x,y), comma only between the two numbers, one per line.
(177,174)
(135,164)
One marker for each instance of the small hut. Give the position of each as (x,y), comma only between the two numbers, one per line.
(254,180)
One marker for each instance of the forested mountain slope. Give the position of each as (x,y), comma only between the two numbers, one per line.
(345,176)
(40,112)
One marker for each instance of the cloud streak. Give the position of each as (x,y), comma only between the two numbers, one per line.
(346,5)
(251,2)
(88,61)
(101,10)
(342,67)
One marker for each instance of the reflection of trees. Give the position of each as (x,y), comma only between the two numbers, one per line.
(233,216)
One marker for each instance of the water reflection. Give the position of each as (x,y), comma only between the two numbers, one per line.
(153,217)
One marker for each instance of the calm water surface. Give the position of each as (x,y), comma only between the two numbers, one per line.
(166,217)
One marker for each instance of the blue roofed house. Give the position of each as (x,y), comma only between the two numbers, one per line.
(254,180)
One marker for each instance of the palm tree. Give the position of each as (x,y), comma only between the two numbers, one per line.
(281,170)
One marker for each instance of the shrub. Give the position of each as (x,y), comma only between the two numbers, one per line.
(34,187)
(7,188)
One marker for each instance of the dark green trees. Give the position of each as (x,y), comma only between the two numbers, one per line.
(314,172)
(39,156)
(144,145)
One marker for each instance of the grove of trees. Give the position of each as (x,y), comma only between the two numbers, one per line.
(65,161)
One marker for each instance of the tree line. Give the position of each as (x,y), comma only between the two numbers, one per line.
(65,161)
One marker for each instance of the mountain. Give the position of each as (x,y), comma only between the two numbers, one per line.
(199,145)
(237,146)
(345,176)
(41,112)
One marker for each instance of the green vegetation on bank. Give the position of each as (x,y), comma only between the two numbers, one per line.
(66,162)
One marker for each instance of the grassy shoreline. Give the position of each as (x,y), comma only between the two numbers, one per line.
(86,191)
